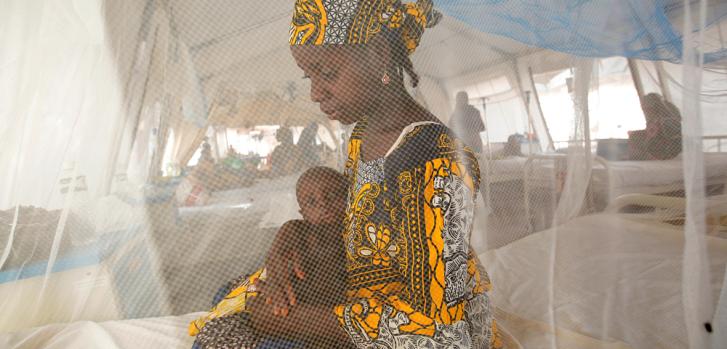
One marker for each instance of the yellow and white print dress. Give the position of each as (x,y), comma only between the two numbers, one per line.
(413,281)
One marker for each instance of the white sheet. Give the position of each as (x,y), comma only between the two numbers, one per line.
(152,333)
(615,279)
(508,169)
(661,173)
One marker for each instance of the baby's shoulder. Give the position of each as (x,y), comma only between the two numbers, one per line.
(294,224)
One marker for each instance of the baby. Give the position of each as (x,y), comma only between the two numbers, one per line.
(320,280)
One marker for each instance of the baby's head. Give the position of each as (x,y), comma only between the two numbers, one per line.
(321,194)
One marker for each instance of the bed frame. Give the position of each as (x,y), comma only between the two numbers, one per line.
(601,182)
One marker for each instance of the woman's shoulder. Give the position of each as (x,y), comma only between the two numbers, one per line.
(432,136)
(429,141)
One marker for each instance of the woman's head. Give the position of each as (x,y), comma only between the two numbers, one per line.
(654,107)
(342,81)
(512,147)
(462,99)
(352,73)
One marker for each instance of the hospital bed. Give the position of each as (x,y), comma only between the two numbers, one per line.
(503,170)
(623,177)
(544,176)
(609,279)
(653,177)
(116,276)
(137,257)
(104,269)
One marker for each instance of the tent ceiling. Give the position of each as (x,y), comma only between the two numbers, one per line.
(265,108)
(244,44)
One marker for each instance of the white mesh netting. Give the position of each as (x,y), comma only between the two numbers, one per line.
(555,179)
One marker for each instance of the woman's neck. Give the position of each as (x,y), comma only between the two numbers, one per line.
(395,112)
(387,121)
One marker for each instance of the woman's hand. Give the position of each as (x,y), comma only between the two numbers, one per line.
(282,262)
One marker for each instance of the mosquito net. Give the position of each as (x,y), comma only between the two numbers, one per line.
(377,174)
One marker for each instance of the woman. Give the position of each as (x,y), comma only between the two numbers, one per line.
(413,281)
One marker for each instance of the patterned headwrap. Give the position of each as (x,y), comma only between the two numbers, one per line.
(340,22)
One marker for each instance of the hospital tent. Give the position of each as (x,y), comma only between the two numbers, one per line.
(137,139)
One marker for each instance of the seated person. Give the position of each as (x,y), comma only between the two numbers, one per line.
(662,138)
(285,158)
(195,189)
(243,320)
(512,147)
(307,146)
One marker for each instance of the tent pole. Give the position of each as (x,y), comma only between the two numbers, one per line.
(157,162)
(142,34)
(636,77)
(137,116)
(197,140)
(201,134)
(526,102)
(663,86)
(551,145)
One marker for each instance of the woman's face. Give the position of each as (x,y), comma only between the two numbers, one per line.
(343,79)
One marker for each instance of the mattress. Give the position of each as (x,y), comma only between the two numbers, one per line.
(162,332)
(615,279)
(507,169)
(660,173)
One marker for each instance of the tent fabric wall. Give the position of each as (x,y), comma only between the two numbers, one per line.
(60,84)
(631,28)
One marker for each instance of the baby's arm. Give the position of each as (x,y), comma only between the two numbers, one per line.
(282,314)
(303,322)
(283,260)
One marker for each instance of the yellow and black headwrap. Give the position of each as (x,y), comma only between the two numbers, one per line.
(341,22)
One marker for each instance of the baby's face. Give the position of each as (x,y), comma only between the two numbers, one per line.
(322,202)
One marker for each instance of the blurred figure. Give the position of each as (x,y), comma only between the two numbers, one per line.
(662,137)
(307,146)
(466,123)
(285,159)
(512,147)
(195,189)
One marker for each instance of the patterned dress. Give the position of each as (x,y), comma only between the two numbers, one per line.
(413,281)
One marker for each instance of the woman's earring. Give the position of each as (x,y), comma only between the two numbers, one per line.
(385,79)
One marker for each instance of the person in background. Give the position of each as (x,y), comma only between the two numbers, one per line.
(206,163)
(285,159)
(466,123)
(307,146)
(662,137)
(513,146)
